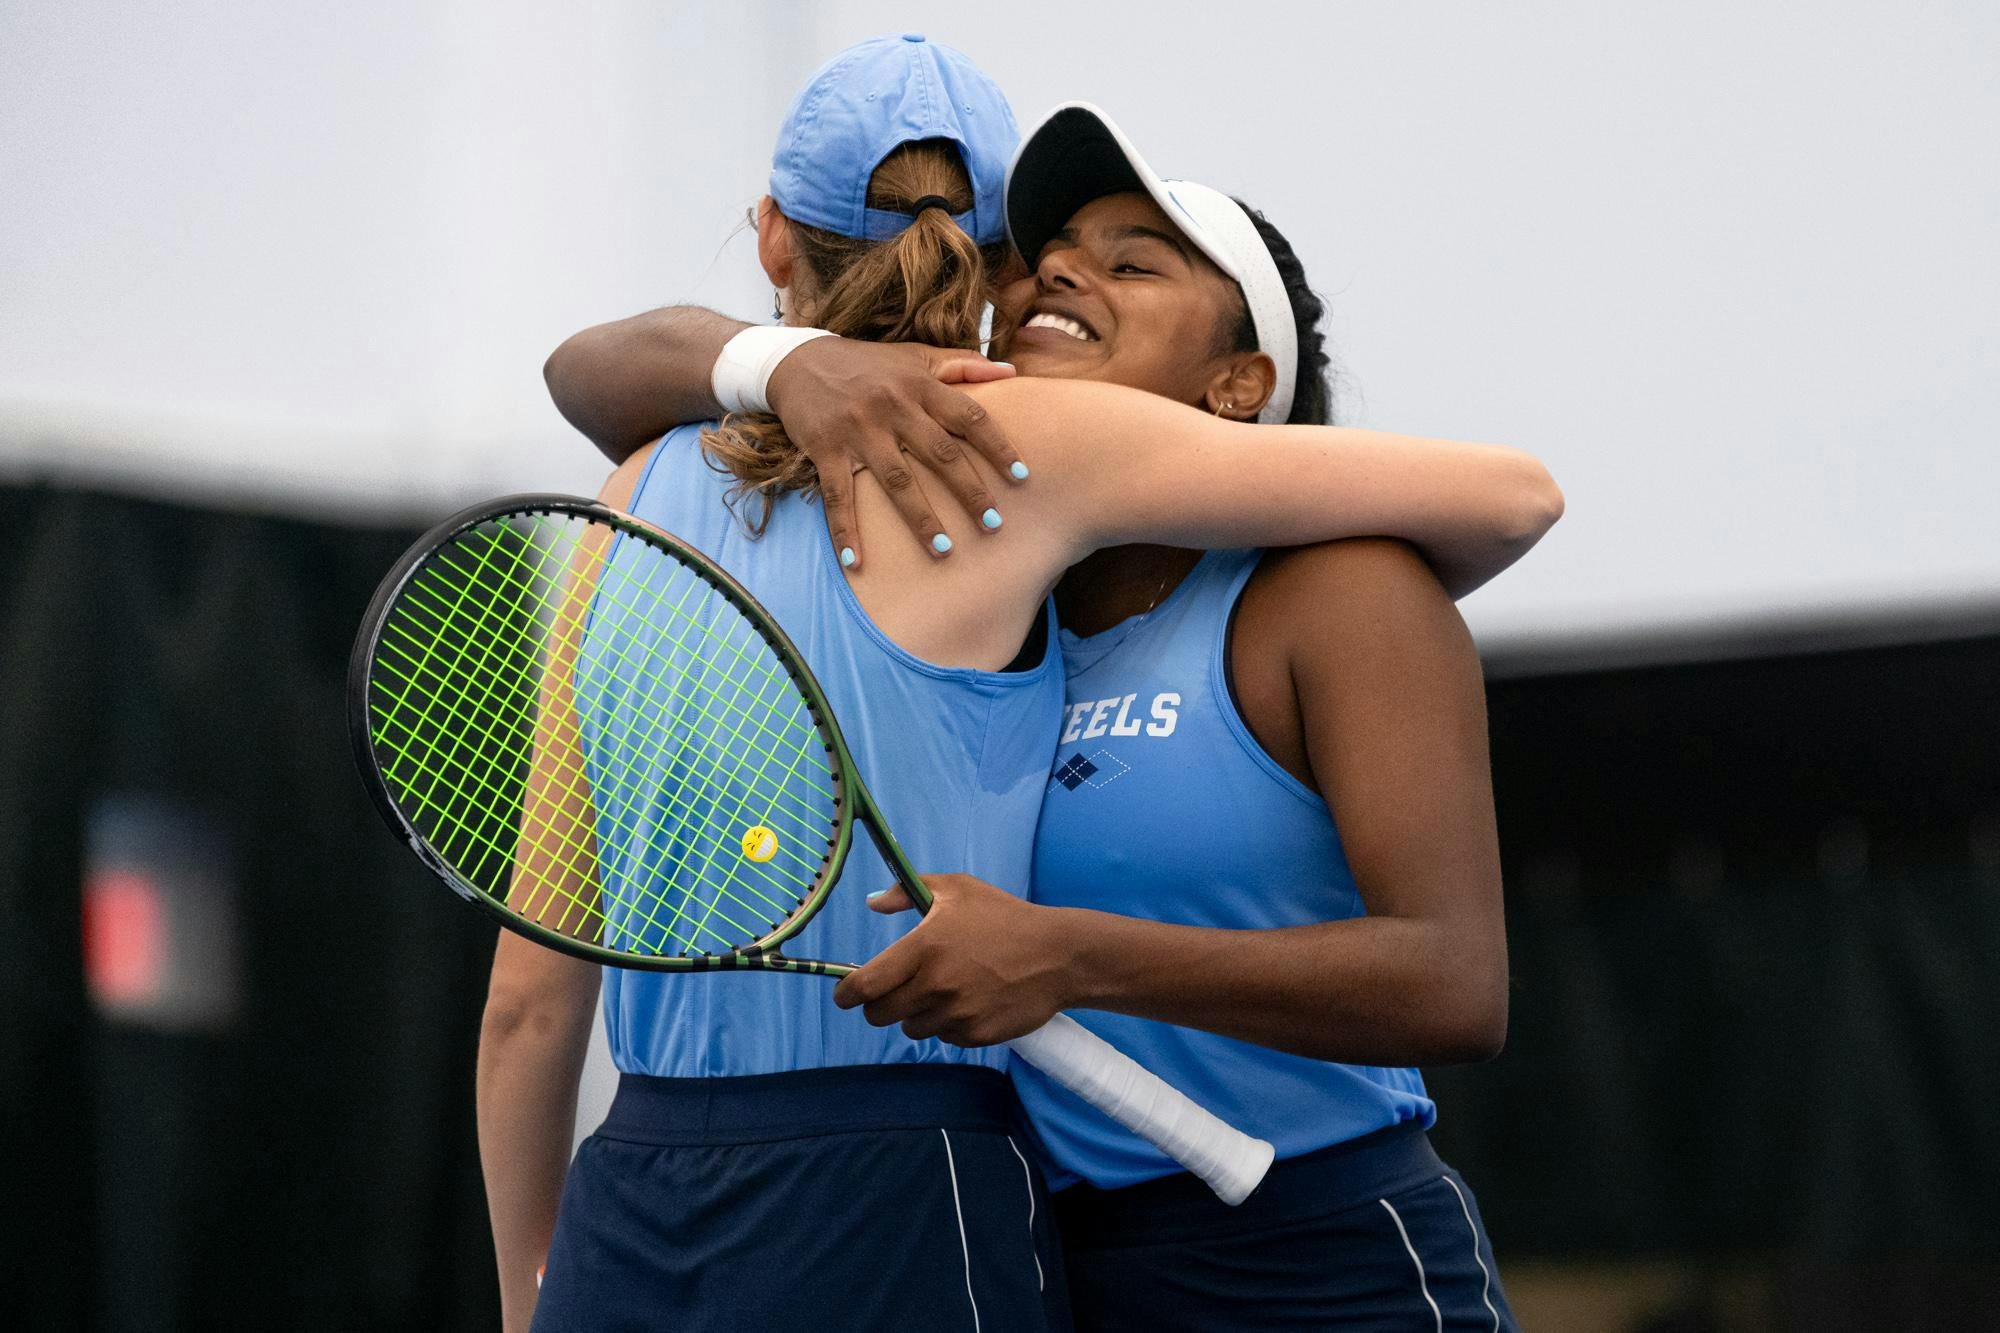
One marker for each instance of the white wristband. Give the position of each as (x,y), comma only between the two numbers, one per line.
(742,375)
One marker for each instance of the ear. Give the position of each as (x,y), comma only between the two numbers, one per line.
(1242,386)
(774,242)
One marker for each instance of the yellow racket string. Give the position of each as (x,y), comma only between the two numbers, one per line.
(568,614)
(689,730)
(463,691)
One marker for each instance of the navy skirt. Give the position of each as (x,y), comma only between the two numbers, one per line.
(894,1196)
(1373,1235)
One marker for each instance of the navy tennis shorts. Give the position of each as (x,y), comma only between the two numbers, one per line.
(1375,1235)
(895,1196)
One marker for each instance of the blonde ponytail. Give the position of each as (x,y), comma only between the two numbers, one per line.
(927,284)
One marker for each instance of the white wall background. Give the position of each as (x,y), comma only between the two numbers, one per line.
(1731,269)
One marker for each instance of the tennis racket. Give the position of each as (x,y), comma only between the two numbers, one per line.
(589,729)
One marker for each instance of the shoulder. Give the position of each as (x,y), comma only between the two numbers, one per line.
(623,482)
(675,464)
(1360,573)
(1367,602)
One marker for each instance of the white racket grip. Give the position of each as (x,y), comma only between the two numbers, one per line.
(1228,1160)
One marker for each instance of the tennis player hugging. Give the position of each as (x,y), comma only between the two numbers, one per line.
(1228,803)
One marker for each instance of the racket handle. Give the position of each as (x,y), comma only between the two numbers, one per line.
(1228,1160)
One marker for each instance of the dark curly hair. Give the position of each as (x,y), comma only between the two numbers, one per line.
(1312,390)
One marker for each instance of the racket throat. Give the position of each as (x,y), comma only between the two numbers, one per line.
(770,960)
(892,856)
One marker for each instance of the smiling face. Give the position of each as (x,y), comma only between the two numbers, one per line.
(1121,296)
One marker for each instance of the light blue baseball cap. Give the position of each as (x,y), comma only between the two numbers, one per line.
(869,100)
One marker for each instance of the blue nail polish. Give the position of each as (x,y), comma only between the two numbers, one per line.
(940,543)
(847,557)
(1020,470)
(877,894)
(991,518)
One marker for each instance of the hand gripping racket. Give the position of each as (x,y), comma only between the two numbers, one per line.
(589,729)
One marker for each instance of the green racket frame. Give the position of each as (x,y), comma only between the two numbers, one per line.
(851,798)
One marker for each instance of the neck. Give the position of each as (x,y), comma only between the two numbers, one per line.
(1115,584)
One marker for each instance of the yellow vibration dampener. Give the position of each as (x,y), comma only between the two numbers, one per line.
(760,844)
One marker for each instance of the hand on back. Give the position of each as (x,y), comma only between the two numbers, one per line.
(851,405)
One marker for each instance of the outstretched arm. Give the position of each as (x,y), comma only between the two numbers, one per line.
(1116,465)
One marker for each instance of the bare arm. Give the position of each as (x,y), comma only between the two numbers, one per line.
(539,1007)
(1394,716)
(1114,465)
(627,383)
(1124,466)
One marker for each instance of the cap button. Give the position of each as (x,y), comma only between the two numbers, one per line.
(913,37)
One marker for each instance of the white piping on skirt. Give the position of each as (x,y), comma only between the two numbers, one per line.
(1028,1179)
(1486,1278)
(1422,1285)
(951,1165)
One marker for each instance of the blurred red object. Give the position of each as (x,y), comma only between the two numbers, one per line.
(124,937)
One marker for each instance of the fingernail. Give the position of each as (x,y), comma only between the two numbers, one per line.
(847,557)
(1008,364)
(877,894)
(991,518)
(1020,470)
(940,543)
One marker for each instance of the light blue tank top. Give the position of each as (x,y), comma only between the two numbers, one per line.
(957,759)
(1162,805)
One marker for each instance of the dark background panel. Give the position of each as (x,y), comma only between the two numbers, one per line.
(312,1164)
(1752,908)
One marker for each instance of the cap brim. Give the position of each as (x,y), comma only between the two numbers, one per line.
(1076,155)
